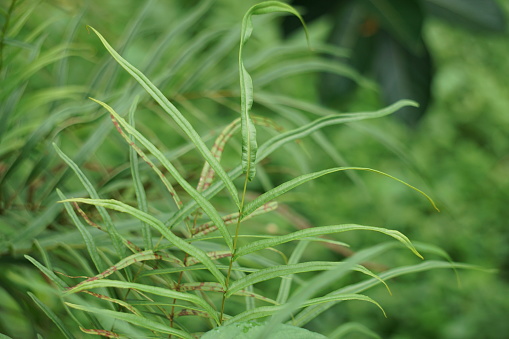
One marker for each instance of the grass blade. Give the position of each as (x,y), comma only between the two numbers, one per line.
(209,227)
(303,294)
(343,331)
(59,282)
(132,259)
(333,119)
(265,311)
(215,287)
(284,287)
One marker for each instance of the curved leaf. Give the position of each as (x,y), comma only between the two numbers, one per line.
(116,238)
(265,311)
(56,320)
(248,330)
(316,231)
(285,187)
(283,270)
(164,292)
(248,130)
(135,320)
(313,311)
(159,226)
(87,237)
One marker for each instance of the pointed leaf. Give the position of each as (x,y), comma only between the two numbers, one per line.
(56,320)
(115,236)
(135,320)
(87,237)
(283,270)
(248,130)
(159,226)
(285,187)
(316,231)
(165,292)
(313,311)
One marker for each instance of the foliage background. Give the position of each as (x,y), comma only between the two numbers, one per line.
(459,152)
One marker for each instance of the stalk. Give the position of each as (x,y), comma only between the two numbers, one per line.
(236,237)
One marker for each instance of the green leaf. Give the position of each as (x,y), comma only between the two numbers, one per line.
(36,226)
(215,287)
(87,237)
(165,292)
(248,130)
(276,142)
(141,197)
(159,226)
(319,282)
(313,311)
(116,238)
(283,270)
(251,330)
(317,231)
(171,110)
(285,187)
(343,331)
(135,320)
(132,259)
(265,311)
(284,287)
(56,320)
(52,276)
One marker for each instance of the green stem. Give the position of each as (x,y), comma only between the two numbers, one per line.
(237,229)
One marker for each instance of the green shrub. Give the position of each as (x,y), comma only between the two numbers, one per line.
(172,274)
(282,269)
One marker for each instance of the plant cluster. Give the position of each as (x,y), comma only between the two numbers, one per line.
(196,259)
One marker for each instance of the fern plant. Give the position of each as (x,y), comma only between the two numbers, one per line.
(196,268)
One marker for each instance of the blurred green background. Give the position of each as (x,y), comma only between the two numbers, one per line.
(456,150)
